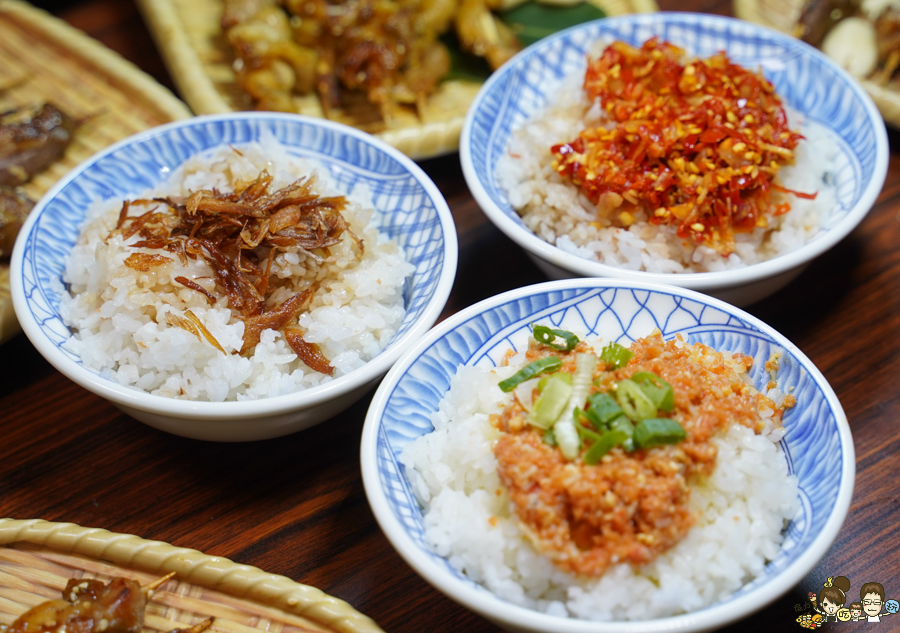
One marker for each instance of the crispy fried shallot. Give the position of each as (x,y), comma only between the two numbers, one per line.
(309,353)
(190,323)
(145,261)
(237,235)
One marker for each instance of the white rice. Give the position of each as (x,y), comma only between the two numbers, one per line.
(557,212)
(117,314)
(741,508)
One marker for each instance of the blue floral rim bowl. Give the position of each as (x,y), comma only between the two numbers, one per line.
(807,81)
(409,208)
(817,440)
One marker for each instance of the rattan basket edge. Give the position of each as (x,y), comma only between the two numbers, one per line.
(92,51)
(192,566)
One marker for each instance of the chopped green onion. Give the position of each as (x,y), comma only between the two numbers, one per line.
(615,356)
(543,334)
(567,438)
(604,445)
(624,425)
(657,389)
(587,434)
(549,437)
(658,431)
(561,374)
(634,402)
(540,366)
(601,408)
(550,404)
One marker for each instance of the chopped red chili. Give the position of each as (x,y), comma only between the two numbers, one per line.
(693,144)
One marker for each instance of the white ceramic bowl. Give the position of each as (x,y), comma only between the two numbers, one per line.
(409,208)
(806,79)
(817,442)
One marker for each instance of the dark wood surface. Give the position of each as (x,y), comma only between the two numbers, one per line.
(295,506)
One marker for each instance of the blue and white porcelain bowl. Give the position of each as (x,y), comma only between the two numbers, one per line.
(809,82)
(409,208)
(817,441)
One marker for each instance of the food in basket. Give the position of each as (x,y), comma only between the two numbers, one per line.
(863,36)
(579,476)
(374,63)
(386,52)
(249,274)
(92,606)
(30,140)
(653,161)
(14,208)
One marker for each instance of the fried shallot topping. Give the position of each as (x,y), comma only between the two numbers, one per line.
(238,235)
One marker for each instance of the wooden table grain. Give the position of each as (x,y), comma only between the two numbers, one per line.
(295,506)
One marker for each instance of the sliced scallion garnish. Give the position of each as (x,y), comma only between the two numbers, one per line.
(549,437)
(634,402)
(606,443)
(658,390)
(616,356)
(561,374)
(624,425)
(601,409)
(550,404)
(543,334)
(540,366)
(652,432)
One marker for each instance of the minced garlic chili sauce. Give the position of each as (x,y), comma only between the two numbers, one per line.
(696,144)
(629,507)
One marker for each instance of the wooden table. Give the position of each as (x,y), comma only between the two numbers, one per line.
(295,506)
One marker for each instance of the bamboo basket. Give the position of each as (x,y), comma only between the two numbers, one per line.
(188,34)
(43,59)
(37,559)
(783,15)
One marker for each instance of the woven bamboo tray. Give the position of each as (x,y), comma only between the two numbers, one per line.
(782,16)
(196,54)
(42,59)
(37,559)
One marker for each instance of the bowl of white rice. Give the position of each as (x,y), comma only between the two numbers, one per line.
(235,277)
(438,484)
(539,100)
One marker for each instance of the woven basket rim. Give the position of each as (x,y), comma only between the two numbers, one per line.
(213,572)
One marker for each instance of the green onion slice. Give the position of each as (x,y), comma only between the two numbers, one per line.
(602,408)
(604,445)
(624,425)
(634,402)
(658,431)
(549,437)
(616,356)
(587,434)
(658,390)
(560,374)
(550,404)
(540,366)
(543,334)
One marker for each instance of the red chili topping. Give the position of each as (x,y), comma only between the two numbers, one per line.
(696,145)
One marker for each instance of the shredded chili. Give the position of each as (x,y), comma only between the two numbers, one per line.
(696,144)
